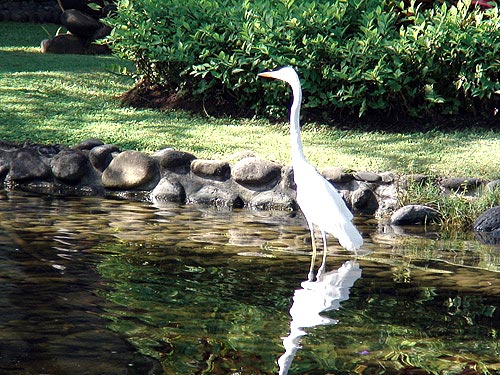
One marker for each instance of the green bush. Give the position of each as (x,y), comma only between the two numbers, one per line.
(353,55)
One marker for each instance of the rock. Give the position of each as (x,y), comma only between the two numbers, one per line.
(493,185)
(214,196)
(488,221)
(129,170)
(219,170)
(89,144)
(270,200)
(173,160)
(69,165)
(414,214)
(64,44)
(256,172)
(387,177)
(337,175)
(27,164)
(487,226)
(101,156)
(367,177)
(169,190)
(363,200)
(287,180)
(80,5)
(79,23)
(102,33)
(460,184)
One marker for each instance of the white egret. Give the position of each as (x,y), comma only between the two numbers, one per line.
(318,200)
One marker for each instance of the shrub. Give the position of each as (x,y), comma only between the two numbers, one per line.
(353,55)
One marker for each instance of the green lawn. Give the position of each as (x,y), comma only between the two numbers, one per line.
(68,98)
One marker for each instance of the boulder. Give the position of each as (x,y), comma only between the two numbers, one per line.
(64,44)
(367,177)
(173,160)
(493,185)
(27,164)
(215,196)
(89,144)
(169,190)
(101,156)
(80,5)
(487,226)
(69,165)
(256,172)
(363,200)
(79,23)
(488,221)
(129,170)
(271,200)
(337,175)
(414,214)
(216,169)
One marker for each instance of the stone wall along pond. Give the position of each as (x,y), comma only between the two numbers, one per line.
(169,175)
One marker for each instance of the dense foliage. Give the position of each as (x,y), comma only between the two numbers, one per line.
(353,55)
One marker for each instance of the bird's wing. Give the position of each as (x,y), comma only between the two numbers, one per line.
(323,206)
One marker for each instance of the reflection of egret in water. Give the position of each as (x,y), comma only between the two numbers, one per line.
(315,297)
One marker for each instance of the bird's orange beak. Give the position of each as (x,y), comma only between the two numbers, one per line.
(266,74)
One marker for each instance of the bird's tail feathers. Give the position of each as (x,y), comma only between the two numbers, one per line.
(347,235)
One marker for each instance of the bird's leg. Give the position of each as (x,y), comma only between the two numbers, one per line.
(325,251)
(310,276)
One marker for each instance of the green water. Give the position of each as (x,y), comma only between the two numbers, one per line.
(96,286)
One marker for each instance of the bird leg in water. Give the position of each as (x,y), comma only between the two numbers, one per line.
(325,251)
(310,276)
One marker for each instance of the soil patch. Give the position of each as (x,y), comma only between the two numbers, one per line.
(143,95)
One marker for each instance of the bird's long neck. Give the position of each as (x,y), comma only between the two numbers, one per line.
(295,139)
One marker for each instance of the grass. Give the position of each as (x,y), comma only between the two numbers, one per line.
(66,99)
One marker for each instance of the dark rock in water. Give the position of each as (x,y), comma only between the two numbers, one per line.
(414,214)
(169,190)
(270,200)
(488,221)
(487,226)
(128,170)
(79,23)
(27,164)
(256,172)
(69,165)
(215,196)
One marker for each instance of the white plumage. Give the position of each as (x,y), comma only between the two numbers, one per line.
(318,200)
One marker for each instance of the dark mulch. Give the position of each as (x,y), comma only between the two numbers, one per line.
(149,96)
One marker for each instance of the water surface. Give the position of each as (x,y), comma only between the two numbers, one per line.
(98,286)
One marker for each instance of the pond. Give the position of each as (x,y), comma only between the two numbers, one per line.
(99,286)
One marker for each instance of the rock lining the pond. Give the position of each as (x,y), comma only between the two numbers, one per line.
(169,175)
(487,226)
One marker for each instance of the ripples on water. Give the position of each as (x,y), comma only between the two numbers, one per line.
(96,286)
